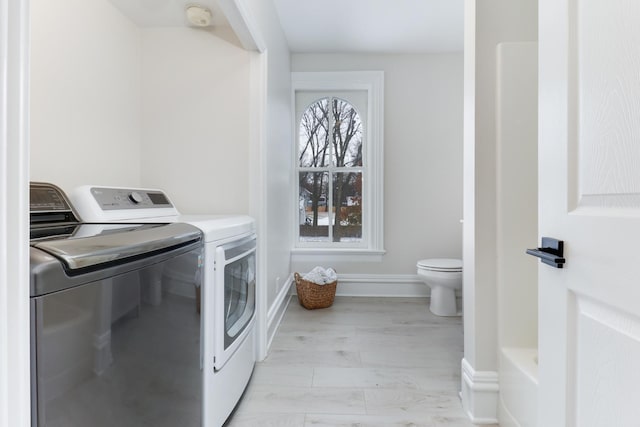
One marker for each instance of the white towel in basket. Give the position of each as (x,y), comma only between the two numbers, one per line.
(321,276)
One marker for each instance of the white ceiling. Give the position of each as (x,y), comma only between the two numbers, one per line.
(372,26)
(335,26)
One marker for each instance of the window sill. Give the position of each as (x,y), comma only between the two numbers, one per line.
(336,255)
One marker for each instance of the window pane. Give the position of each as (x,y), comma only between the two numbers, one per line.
(313,145)
(347,134)
(312,210)
(347,194)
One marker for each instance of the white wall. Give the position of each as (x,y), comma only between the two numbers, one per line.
(195,119)
(85,94)
(496,21)
(156,107)
(487,23)
(423,155)
(275,149)
(517,194)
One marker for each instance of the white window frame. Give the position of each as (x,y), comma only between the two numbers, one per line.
(373,206)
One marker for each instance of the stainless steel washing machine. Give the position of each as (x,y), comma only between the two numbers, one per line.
(115,340)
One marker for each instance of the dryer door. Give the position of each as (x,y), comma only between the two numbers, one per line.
(235,303)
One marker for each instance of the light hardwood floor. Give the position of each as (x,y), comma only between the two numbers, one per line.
(362,362)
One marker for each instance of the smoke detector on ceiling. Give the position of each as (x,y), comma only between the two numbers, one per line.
(197,15)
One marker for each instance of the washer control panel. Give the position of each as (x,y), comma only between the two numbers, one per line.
(123,198)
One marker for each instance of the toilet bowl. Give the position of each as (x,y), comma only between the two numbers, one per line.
(444,277)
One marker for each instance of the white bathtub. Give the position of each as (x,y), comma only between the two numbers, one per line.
(518,404)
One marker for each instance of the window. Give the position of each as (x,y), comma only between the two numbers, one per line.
(338,162)
(330,168)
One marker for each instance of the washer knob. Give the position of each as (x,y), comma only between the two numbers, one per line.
(136,197)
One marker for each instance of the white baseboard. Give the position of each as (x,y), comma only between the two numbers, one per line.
(381,285)
(479,394)
(277,310)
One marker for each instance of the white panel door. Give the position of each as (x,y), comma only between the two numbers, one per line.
(589,136)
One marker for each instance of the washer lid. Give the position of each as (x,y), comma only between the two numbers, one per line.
(441,264)
(114,244)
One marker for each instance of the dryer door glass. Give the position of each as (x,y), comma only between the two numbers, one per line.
(239,295)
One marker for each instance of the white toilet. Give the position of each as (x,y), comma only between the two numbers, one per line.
(444,277)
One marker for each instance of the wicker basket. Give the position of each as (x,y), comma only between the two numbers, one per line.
(312,296)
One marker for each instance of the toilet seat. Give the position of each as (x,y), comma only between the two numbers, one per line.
(441,264)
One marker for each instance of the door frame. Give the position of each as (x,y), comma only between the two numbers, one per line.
(15,402)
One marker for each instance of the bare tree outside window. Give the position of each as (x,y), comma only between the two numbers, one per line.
(330,172)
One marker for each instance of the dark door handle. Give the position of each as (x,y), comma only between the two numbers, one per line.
(551,252)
